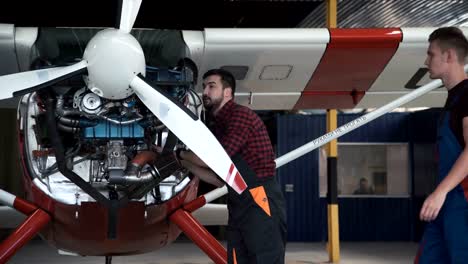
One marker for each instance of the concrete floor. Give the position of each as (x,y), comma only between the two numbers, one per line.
(184,252)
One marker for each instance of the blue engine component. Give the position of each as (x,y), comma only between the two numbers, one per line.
(108,130)
(160,74)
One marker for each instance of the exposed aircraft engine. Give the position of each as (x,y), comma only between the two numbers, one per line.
(113,148)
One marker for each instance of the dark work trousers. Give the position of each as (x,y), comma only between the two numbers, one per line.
(445,239)
(256,231)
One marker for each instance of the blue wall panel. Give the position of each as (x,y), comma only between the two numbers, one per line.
(423,130)
(303,205)
(423,126)
(375,219)
(391,127)
(361,219)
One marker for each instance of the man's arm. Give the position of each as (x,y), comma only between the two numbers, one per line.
(204,174)
(457,173)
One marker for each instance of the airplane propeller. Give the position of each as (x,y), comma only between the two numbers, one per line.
(129,12)
(116,65)
(184,124)
(18,84)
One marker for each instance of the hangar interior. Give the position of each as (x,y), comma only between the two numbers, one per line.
(395,153)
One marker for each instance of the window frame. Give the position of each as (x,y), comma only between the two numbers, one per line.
(409,165)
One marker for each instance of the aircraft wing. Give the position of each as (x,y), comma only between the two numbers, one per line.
(318,68)
(277,69)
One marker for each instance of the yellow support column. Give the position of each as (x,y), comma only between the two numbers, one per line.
(332,154)
(331,14)
(332,192)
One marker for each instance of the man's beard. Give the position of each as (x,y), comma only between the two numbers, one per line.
(211,104)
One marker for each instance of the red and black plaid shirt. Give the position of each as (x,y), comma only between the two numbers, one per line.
(240,130)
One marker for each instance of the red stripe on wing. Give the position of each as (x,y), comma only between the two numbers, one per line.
(352,62)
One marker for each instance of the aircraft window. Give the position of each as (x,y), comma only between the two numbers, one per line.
(369,169)
(239,72)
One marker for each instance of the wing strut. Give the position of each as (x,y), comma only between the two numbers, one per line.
(36,220)
(199,235)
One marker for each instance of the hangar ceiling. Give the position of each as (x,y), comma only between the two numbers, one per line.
(392,13)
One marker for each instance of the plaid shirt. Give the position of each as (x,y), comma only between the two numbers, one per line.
(240,130)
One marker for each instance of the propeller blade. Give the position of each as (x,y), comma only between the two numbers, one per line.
(191,130)
(128,14)
(18,84)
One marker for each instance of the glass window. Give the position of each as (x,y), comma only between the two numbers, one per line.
(369,169)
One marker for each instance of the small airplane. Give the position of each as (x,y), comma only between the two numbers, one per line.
(97,130)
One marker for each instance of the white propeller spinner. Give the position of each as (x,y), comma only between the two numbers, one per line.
(114,57)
